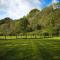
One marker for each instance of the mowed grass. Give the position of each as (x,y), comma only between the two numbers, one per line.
(30,49)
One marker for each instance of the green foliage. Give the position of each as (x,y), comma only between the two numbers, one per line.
(24,24)
(46,20)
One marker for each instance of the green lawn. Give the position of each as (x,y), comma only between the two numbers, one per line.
(30,49)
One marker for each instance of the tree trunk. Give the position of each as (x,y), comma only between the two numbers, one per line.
(5,37)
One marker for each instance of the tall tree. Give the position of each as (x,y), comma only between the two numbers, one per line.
(24,24)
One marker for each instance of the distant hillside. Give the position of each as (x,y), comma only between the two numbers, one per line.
(46,21)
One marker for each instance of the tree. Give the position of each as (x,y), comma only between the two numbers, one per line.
(24,24)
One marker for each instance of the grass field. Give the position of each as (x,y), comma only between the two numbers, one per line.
(30,49)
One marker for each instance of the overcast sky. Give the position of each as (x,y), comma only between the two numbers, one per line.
(18,8)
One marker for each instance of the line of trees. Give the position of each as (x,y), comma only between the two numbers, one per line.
(45,22)
(22,26)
